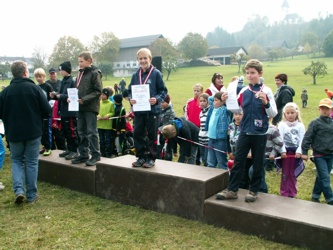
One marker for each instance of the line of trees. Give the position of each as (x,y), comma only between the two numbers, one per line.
(314,37)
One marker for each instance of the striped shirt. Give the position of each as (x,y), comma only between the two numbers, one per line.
(203,133)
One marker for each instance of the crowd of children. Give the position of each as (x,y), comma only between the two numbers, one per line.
(251,142)
(244,142)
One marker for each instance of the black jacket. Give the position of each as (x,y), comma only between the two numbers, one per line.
(23,105)
(282,97)
(319,137)
(188,130)
(66,83)
(90,90)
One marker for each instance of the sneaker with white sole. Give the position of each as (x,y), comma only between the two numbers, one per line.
(139,162)
(226,195)
(149,163)
(251,197)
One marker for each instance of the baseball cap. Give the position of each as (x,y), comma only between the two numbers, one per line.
(326,102)
(52,70)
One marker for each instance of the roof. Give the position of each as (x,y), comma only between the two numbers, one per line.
(225,51)
(141,41)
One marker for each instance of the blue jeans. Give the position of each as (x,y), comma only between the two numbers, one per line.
(217,159)
(88,134)
(24,156)
(323,183)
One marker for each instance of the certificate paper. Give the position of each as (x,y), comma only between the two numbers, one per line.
(232,102)
(73,105)
(141,94)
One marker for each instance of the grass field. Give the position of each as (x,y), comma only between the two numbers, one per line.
(65,219)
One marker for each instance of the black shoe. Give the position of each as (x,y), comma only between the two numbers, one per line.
(65,153)
(139,163)
(19,199)
(80,159)
(330,203)
(92,161)
(315,200)
(71,156)
(149,164)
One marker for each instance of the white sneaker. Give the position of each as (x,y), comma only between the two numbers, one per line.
(332,171)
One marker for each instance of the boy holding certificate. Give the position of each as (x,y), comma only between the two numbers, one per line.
(146,106)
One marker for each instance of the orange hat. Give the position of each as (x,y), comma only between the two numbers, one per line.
(326,102)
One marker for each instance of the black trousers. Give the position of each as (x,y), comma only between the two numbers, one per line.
(257,144)
(145,135)
(69,130)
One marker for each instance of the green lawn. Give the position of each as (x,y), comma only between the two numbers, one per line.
(65,219)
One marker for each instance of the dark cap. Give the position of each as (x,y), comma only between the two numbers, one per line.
(52,70)
(118,98)
(106,92)
(66,66)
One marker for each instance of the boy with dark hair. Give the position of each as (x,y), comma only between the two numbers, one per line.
(166,117)
(104,124)
(68,118)
(258,104)
(89,91)
(119,124)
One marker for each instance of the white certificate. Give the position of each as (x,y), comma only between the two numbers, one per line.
(141,94)
(73,97)
(232,102)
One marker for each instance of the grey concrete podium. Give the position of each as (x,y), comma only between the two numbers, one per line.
(169,187)
(281,219)
(58,171)
(188,191)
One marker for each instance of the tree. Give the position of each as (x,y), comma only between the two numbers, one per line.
(273,55)
(106,68)
(4,69)
(39,58)
(169,66)
(255,51)
(105,48)
(328,45)
(193,46)
(240,59)
(307,49)
(316,69)
(164,48)
(67,49)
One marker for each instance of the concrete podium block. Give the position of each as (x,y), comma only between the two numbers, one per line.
(58,171)
(169,187)
(281,219)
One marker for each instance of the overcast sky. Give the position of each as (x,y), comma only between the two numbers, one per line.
(29,24)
